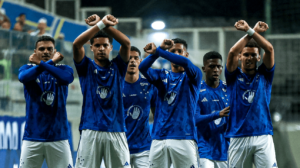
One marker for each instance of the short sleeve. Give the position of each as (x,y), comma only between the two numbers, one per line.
(82,67)
(268,73)
(230,76)
(122,66)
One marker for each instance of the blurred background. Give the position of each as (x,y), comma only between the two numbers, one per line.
(205,25)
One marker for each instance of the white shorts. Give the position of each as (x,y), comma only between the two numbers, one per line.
(181,153)
(57,154)
(207,163)
(245,151)
(97,145)
(140,160)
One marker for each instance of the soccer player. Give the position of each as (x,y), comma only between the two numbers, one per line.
(174,133)
(139,97)
(249,127)
(102,122)
(46,89)
(211,115)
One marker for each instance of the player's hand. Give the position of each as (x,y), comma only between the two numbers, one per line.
(110,20)
(92,20)
(150,48)
(224,112)
(241,25)
(261,27)
(57,57)
(34,59)
(167,44)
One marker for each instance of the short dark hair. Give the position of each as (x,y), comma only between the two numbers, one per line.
(181,41)
(101,34)
(44,38)
(253,43)
(133,48)
(21,14)
(212,55)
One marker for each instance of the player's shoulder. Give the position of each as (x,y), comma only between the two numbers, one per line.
(63,66)
(26,66)
(223,83)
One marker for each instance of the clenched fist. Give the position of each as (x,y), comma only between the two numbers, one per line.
(57,57)
(34,59)
(261,27)
(92,20)
(150,48)
(167,44)
(110,20)
(241,25)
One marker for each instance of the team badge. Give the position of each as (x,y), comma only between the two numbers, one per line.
(249,96)
(48,98)
(103,92)
(170,97)
(135,112)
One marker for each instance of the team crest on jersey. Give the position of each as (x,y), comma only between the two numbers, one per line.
(48,98)
(170,97)
(249,96)
(135,112)
(104,92)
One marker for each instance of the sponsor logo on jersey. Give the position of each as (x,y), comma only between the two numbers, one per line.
(170,97)
(103,92)
(249,96)
(132,95)
(241,79)
(202,90)
(172,83)
(126,164)
(143,84)
(135,112)
(215,100)
(48,98)
(204,100)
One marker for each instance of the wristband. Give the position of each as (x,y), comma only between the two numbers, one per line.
(250,31)
(101,25)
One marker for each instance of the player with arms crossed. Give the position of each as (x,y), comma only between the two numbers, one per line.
(211,115)
(46,89)
(250,127)
(138,96)
(174,133)
(102,122)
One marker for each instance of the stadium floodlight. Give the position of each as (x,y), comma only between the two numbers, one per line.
(158,25)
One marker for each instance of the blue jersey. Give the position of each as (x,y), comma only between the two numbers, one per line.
(46,96)
(249,102)
(211,141)
(102,108)
(138,97)
(176,105)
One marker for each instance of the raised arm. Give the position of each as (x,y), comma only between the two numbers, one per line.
(233,55)
(94,20)
(268,57)
(119,37)
(27,75)
(147,62)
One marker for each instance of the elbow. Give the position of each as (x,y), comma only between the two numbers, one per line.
(76,44)
(232,52)
(21,78)
(126,43)
(269,49)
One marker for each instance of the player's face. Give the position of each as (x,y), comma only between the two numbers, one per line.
(134,62)
(178,49)
(213,69)
(45,50)
(249,57)
(101,48)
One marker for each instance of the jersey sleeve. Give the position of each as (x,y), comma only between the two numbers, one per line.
(268,73)
(192,71)
(82,67)
(230,76)
(30,72)
(122,66)
(154,97)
